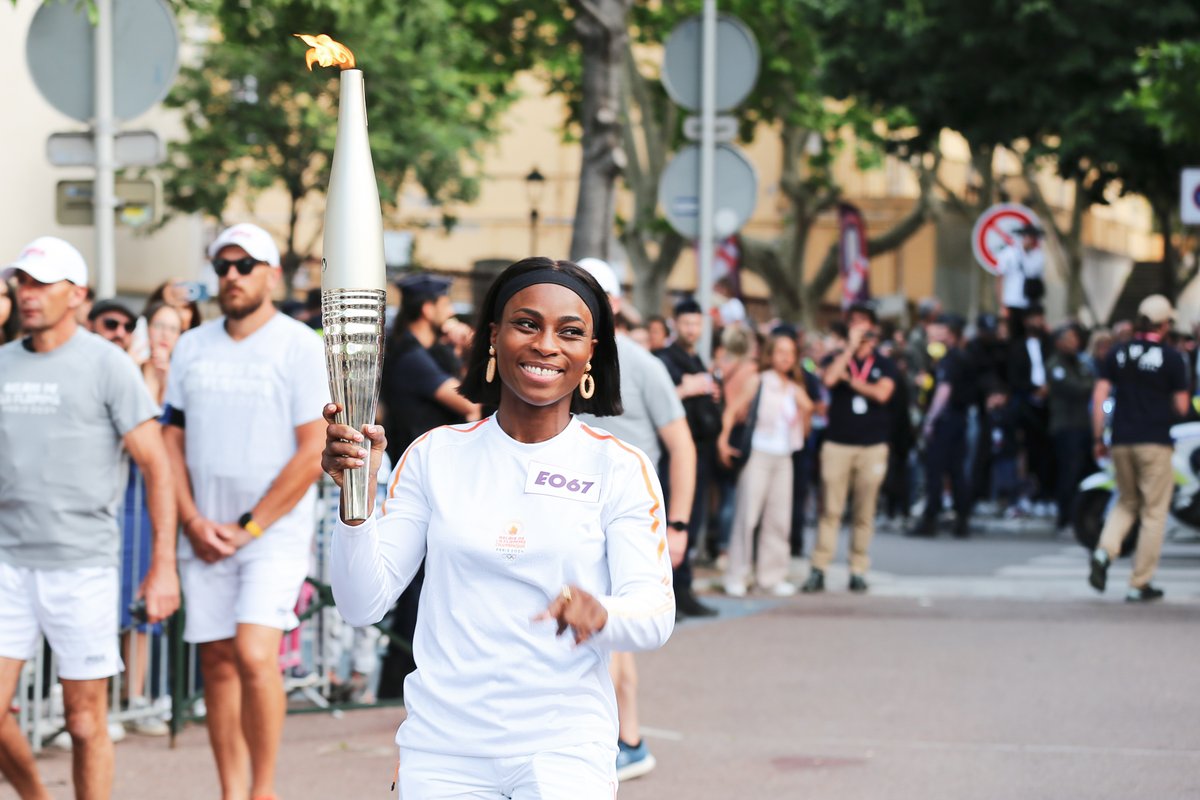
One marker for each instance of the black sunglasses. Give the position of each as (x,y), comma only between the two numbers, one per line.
(244,265)
(111,324)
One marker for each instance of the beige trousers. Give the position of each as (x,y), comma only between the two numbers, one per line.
(844,467)
(1145,480)
(764,494)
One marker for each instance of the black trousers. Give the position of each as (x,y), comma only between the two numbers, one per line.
(706,462)
(946,456)
(1072,452)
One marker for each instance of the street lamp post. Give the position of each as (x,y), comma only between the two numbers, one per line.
(535,184)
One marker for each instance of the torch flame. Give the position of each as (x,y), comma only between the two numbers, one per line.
(326,51)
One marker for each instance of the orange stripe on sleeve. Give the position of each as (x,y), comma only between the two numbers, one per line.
(662,543)
(404,459)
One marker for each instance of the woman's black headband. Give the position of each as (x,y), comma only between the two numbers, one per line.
(547,275)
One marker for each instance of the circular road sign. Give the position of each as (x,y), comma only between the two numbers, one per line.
(996,229)
(735,183)
(145,56)
(737,62)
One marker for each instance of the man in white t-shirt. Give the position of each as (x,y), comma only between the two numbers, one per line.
(1020,278)
(245,433)
(69,402)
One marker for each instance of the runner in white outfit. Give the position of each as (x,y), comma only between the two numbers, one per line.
(526,519)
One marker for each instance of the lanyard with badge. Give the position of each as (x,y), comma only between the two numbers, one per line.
(859,403)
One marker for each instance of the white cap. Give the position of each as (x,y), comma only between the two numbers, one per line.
(603,273)
(251,238)
(1157,309)
(48,259)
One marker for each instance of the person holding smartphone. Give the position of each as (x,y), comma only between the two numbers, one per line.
(861,381)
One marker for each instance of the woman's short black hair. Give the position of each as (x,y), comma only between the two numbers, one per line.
(606,402)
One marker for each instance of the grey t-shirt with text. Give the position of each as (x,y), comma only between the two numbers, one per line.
(63,415)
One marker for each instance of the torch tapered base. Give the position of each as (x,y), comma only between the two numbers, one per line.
(353,322)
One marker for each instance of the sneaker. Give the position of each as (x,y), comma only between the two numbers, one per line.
(858,583)
(783,589)
(62,740)
(148,726)
(1146,594)
(815,582)
(735,588)
(634,762)
(687,605)
(925,528)
(1099,575)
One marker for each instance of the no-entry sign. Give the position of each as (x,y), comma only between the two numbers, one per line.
(996,229)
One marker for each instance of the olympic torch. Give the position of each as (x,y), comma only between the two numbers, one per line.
(353,280)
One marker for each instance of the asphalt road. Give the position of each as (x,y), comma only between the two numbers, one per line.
(974,669)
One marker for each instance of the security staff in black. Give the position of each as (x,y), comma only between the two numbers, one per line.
(1148,382)
(945,430)
(418,392)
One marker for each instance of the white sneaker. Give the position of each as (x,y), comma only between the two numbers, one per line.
(784,589)
(735,588)
(116,732)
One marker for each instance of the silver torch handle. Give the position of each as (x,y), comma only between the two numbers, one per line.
(353,323)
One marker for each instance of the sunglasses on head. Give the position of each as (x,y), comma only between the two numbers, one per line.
(111,324)
(244,265)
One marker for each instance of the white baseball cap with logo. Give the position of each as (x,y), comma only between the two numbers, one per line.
(251,238)
(48,259)
(1157,309)
(603,273)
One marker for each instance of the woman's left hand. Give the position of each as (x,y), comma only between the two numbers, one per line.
(576,609)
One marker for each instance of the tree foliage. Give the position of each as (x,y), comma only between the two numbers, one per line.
(1046,80)
(438,78)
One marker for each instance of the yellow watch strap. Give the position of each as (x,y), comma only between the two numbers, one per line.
(253,528)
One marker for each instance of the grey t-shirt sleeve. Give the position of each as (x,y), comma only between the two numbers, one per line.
(179,362)
(126,397)
(663,405)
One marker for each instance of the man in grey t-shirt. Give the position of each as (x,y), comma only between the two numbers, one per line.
(69,401)
(653,412)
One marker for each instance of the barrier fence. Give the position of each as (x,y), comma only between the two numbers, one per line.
(161,688)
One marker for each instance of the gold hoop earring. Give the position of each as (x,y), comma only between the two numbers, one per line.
(587,385)
(491,365)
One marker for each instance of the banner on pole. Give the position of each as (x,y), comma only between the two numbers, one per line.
(853,260)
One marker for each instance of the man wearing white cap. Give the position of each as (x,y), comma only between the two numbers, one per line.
(653,413)
(1148,381)
(69,401)
(245,433)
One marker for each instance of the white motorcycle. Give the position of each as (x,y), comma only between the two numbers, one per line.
(1098,493)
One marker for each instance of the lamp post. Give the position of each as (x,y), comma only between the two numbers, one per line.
(535,184)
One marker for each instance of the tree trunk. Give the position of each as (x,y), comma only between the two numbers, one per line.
(601,26)
(1170,262)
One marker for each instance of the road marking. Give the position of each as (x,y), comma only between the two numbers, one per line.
(661,733)
(1010,747)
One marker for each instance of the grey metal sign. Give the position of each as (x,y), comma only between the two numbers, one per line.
(130,149)
(736,185)
(146,56)
(737,63)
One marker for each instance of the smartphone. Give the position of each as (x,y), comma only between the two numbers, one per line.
(190,291)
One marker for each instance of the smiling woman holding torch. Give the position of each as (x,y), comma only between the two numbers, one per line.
(543,538)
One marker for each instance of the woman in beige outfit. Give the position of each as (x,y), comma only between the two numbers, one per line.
(764,489)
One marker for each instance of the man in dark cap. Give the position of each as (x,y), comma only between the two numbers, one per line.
(987,354)
(113,321)
(1020,280)
(945,429)
(419,389)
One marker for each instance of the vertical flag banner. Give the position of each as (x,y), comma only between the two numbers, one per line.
(853,262)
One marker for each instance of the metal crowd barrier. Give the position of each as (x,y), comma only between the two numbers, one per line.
(314,658)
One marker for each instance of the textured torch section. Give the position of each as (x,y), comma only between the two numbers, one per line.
(353,320)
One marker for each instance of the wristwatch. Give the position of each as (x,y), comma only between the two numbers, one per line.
(678,525)
(246,521)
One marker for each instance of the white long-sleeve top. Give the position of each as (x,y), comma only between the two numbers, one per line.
(504,526)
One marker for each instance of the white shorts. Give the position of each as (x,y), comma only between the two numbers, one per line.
(220,596)
(76,609)
(579,772)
